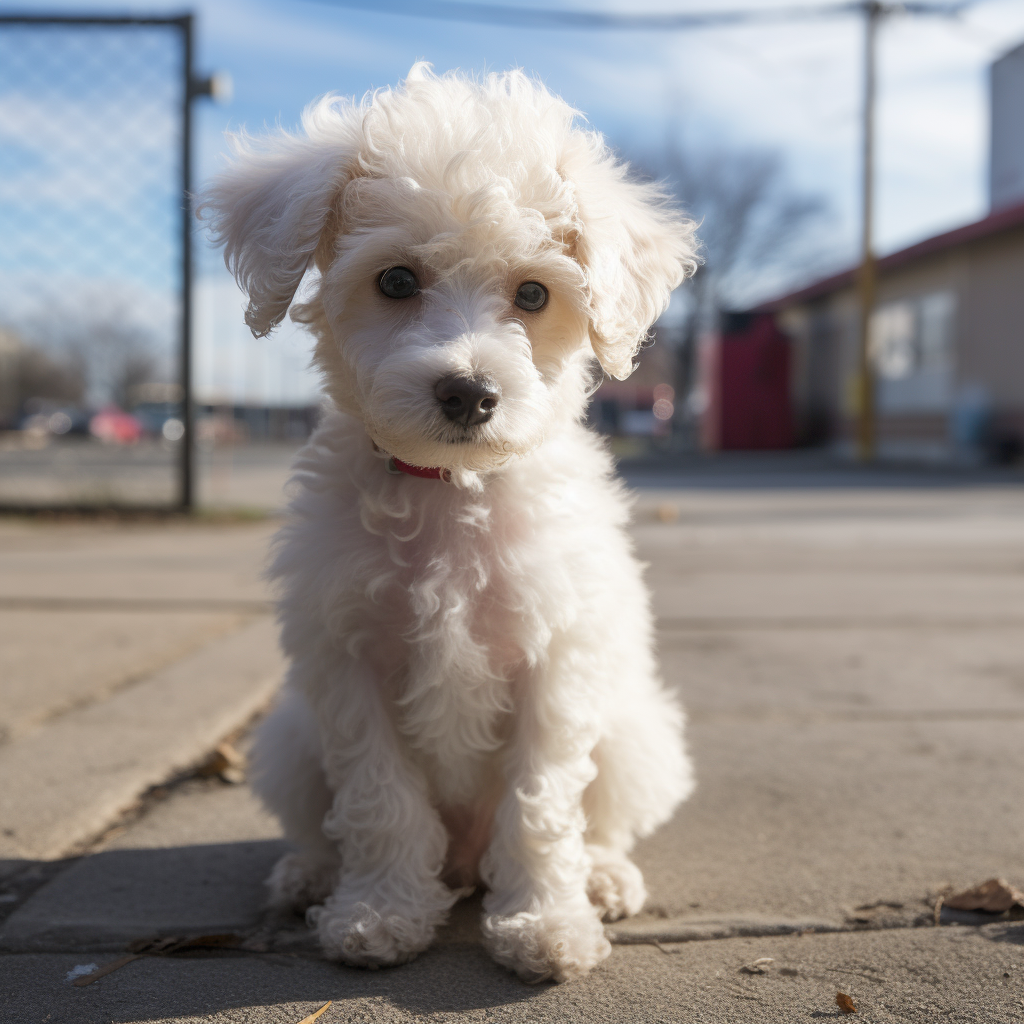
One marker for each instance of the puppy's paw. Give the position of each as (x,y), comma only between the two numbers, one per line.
(550,945)
(365,934)
(298,881)
(615,885)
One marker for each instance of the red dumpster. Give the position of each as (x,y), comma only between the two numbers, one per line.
(745,371)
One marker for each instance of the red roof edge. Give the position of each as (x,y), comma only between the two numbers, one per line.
(1002,220)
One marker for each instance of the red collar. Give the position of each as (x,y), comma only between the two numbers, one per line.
(433,473)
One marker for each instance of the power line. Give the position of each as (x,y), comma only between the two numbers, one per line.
(554,18)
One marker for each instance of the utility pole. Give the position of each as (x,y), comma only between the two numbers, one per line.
(867,275)
(866,278)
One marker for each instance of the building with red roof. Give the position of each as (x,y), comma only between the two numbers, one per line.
(947,344)
(947,332)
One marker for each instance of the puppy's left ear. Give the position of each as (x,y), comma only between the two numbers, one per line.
(635,248)
(270,208)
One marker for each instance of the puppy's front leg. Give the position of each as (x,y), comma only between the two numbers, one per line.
(392,843)
(538,919)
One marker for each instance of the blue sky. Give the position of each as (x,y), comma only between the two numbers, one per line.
(793,87)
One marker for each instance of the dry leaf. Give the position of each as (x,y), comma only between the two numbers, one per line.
(313,1016)
(845,1003)
(994,897)
(759,966)
(226,762)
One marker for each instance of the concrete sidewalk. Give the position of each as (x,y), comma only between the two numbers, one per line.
(126,652)
(853,668)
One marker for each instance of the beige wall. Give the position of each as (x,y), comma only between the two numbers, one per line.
(987,278)
(991,328)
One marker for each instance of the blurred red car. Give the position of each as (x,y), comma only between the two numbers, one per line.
(112,426)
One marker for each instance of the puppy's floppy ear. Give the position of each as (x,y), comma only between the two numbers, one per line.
(271,206)
(635,248)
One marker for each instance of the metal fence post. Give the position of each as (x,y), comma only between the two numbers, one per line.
(187,465)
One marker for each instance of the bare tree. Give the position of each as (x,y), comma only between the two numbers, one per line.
(28,373)
(116,354)
(136,366)
(760,234)
(40,375)
(759,231)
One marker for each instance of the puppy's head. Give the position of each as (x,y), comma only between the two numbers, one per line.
(474,249)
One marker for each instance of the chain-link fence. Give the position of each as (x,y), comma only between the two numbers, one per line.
(94,261)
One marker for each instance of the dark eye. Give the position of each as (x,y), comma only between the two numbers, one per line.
(531,296)
(398,283)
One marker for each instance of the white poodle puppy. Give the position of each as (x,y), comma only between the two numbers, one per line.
(472,696)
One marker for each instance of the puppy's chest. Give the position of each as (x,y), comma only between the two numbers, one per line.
(466,594)
(471,618)
(468,619)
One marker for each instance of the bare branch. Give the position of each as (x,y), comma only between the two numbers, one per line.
(757,228)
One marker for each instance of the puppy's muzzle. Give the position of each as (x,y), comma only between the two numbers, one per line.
(467,400)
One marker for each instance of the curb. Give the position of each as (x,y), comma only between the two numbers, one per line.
(66,782)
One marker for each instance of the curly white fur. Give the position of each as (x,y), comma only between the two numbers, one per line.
(472,694)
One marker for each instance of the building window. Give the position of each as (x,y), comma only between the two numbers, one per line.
(936,331)
(912,351)
(892,340)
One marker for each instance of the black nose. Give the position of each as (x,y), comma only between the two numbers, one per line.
(467,400)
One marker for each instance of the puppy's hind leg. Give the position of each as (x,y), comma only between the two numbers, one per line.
(288,776)
(642,775)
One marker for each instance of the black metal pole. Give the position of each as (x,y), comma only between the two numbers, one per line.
(187,464)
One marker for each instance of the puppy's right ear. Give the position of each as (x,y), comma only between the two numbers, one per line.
(269,209)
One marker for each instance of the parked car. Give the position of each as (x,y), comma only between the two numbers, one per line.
(114,426)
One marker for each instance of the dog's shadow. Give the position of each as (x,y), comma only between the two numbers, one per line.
(97,907)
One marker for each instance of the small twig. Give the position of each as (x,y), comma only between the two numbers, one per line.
(938,910)
(313,1016)
(88,979)
(160,947)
